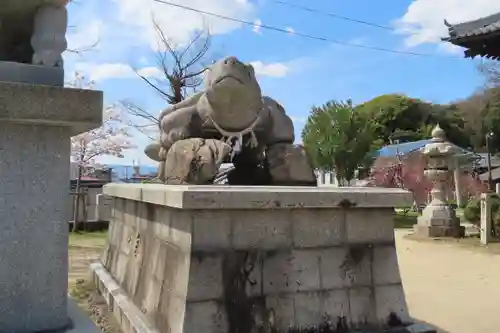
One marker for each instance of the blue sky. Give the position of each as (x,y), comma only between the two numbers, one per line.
(296,71)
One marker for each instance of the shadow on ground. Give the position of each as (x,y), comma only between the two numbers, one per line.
(428,325)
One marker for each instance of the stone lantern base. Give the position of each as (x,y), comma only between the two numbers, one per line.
(439,221)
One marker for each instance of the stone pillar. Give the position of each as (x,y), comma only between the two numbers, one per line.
(457,177)
(438,218)
(36,123)
(486,217)
(497,188)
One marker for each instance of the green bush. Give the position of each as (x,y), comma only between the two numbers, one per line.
(472,211)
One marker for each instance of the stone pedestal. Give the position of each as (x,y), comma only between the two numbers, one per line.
(216,259)
(486,218)
(438,217)
(36,123)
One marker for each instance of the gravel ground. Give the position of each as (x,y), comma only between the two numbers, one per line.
(450,286)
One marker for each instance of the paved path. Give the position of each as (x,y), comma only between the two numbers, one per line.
(456,289)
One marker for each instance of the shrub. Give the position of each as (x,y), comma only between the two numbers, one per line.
(472,211)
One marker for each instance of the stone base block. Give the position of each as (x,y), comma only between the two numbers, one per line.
(211,259)
(34,74)
(439,231)
(132,319)
(129,316)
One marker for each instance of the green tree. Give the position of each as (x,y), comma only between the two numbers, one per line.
(452,122)
(401,117)
(396,116)
(337,137)
(492,120)
(480,114)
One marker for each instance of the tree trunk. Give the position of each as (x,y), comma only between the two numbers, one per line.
(76,212)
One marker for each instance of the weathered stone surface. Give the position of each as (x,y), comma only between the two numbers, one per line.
(78,109)
(439,231)
(328,228)
(263,197)
(194,161)
(234,265)
(289,165)
(281,126)
(34,151)
(232,108)
(438,218)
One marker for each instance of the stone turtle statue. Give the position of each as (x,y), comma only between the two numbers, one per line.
(249,130)
(33,31)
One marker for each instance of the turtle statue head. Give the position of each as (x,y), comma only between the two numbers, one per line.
(231,85)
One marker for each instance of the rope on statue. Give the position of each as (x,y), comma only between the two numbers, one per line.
(253,143)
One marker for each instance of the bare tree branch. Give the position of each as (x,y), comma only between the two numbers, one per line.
(181,70)
(84,48)
(149,124)
(491,72)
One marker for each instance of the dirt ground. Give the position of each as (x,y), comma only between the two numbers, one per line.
(452,285)
(83,250)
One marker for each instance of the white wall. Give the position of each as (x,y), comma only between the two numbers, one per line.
(329,178)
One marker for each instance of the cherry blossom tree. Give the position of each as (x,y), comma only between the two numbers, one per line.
(408,173)
(112,138)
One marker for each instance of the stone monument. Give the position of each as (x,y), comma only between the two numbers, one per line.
(230,121)
(37,118)
(32,32)
(438,217)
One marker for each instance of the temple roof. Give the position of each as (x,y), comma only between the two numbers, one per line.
(405,148)
(477,36)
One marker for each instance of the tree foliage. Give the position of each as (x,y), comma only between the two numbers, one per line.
(398,117)
(407,173)
(332,139)
(481,116)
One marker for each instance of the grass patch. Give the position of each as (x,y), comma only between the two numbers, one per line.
(88,239)
(405,221)
(81,292)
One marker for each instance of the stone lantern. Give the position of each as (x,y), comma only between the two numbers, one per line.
(438,218)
